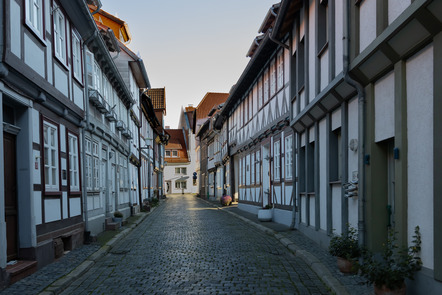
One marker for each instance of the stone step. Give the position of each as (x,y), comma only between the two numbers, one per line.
(21,269)
(112,225)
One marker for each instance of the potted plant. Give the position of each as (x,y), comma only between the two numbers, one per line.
(118,217)
(346,248)
(388,272)
(266,213)
(226,200)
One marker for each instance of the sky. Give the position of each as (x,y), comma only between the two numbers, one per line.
(191,47)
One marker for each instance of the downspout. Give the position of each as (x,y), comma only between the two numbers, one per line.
(361,126)
(272,10)
(98,7)
(83,138)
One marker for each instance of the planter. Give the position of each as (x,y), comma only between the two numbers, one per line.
(226,200)
(117,220)
(345,265)
(384,290)
(265,214)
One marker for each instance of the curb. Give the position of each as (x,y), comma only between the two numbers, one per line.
(312,261)
(62,283)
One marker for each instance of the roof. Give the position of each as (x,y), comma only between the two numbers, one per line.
(158,97)
(209,100)
(118,26)
(269,18)
(177,142)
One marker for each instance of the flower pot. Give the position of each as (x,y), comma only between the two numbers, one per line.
(117,220)
(265,214)
(384,290)
(345,265)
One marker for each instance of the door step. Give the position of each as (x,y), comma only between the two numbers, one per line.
(110,225)
(21,269)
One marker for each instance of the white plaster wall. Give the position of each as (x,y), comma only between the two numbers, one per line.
(75,206)
(322,174)
(352,159)
(52,210)
(36,173)
(336,119)
(311,135)
(312,216)
(295,108)
(395,8)
(311,79)
(384,107)
(37,208)
(36,126)
(419,73)
(325,69)
(336,208)
(302,98)
(367,25)
(288,194)
(282,216)
(61,80)
(15,27)
(248,208)
(286,67)
(34,56)
(303,209)
(65,204)
(339,34)
(62,138)
(78,96)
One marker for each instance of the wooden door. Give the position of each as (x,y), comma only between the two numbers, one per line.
(11,210)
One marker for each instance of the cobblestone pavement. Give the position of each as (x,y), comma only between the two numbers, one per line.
(38,281)
(187,247)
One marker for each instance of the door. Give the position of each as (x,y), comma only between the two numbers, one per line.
(103,176)
(168,183)
(266,176)
(11,209)
(391,183)
(112,188)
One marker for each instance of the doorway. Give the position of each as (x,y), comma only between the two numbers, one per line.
(11,208)
(266,200)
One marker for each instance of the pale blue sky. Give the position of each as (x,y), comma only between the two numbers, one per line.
(191,46)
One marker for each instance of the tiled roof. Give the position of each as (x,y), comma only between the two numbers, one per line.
(177,142)
(210,100)
(158,97)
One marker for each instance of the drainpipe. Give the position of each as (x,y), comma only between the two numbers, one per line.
(272,10)
(98,7)
(361,126)
(84,129)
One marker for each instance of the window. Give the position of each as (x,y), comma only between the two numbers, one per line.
(74,177)
(336,155)
(276,160)
(288,157)
(174,153)
(252,168)
(272,78)
(280,70)
(181,170)
(34,16)
(96,168)
(76,56)
(181,184)
(88,152)
(266,86)
(260,96)
(50,134)
(322,25)
(90,66)
(59,34)
(167,153)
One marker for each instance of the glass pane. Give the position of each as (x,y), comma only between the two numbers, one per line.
(54,176)
(53,162)
(46,151)
(46,175)
(45,134)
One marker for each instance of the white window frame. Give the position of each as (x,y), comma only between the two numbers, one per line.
(34,16)
(51,157)
(272,78)
(76,56)
(288,156)
(168,154)
(89,165)
(74,171)
(96,166)
(175,154)
(59,23)
(276,159)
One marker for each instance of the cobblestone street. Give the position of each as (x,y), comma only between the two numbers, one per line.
(188,247)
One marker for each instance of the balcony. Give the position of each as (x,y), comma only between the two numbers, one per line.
(120,125)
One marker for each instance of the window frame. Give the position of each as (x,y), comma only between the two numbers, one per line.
(74,158)
(77,57)
(59,32)
(277,160)
(37,27)
(53,186)
(95,166)
(288,156)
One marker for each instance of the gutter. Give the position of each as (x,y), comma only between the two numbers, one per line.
(361,126)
